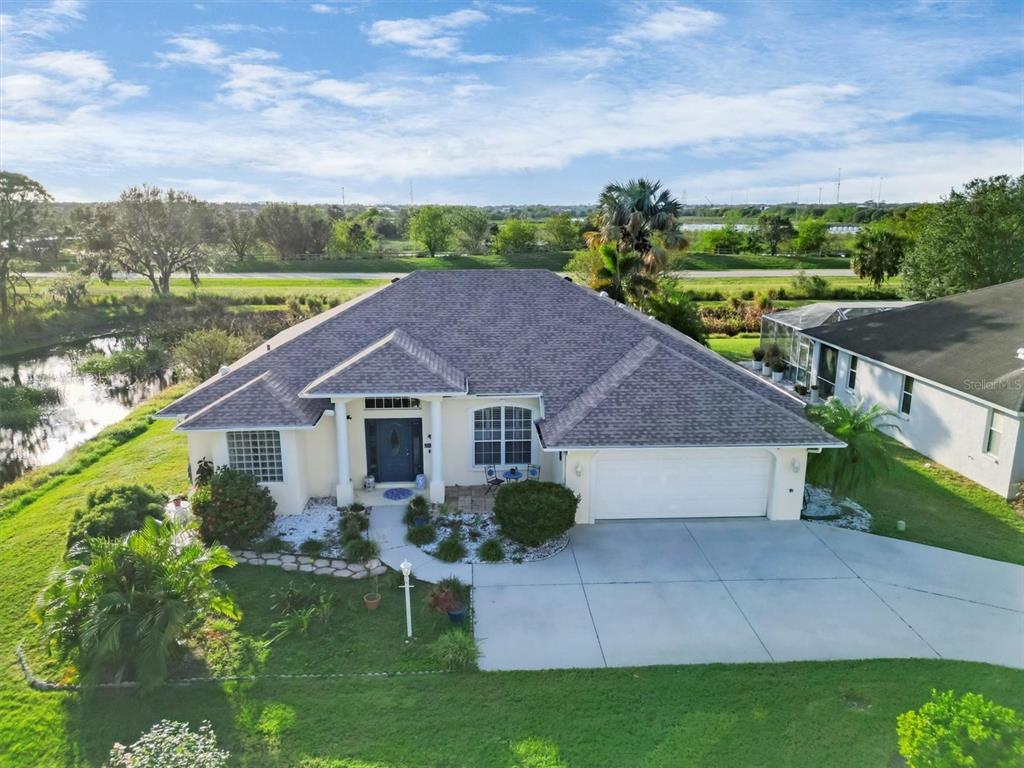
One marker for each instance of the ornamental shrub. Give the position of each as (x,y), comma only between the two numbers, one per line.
(361,550)
(170,744)
(533,512)
(418,506)
(233,509)
(451,549)
(114,510)
(948,732)
(491,551)
(454,650)
(425,534)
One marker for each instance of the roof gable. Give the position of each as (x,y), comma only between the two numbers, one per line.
(395,364)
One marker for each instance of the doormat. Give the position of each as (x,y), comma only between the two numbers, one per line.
(397,494)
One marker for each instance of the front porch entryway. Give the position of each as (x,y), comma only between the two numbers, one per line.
(394,449)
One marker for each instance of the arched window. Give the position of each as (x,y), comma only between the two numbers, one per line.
(502,434)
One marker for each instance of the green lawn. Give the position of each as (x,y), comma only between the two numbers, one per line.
(711,261)
(736,348)
(943,508)
(836,714)
(554,260)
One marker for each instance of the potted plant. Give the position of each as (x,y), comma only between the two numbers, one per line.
(814,394)
(800,389)
(450,596)
(778,368)
(758,355)
(372,599)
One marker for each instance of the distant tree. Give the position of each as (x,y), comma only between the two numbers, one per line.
(811,236)
(151,233)
(294,230)
(350,237)
(560,231)
(630,213)
(24,211)
(878,253)
(68,288)
(240,232)
(676,309)
(973,239)
(585,265)
(471,228)
(624,275)
(200,354)
(728,239)
(774,228)
(431,227)
(515,236)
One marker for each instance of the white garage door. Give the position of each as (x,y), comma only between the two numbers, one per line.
(680,483)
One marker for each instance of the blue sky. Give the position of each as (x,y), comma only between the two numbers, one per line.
(511,102)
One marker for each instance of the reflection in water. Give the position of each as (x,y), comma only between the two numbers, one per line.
(86,405)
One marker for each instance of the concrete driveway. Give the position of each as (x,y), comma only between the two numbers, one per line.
(625,594)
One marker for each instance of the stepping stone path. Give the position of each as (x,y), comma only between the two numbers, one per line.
(322,566)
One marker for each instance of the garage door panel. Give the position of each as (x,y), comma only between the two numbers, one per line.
(680,483)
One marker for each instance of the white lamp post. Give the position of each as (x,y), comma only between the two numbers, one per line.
(406,568)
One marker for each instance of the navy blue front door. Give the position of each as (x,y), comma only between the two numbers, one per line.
(394,450)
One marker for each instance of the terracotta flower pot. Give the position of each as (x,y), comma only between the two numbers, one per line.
(372,600)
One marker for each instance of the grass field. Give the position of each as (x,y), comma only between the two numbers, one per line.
(711,261)
(836,714)
(735,348)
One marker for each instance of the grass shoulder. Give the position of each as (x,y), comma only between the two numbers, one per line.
(553,260)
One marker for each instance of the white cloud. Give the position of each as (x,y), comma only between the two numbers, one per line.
(434,37)
(323,8)
(664,23)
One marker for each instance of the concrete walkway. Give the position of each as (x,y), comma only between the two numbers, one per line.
(675,592)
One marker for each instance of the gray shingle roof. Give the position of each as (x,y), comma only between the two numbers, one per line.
(397,364)
(507,332)
(264,401)
(970,342)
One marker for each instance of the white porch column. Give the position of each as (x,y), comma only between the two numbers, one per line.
(436,453)
(344,487)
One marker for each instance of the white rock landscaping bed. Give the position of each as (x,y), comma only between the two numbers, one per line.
(820,508)
(318,520)
(475,529)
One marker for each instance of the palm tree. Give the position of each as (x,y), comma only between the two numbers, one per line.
(630,214)
(122,605)
(864,460)
(623,276)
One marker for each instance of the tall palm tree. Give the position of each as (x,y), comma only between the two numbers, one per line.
(864,461)
(623,277)
(122,605)
(630,214)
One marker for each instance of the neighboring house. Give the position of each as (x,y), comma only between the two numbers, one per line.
(785,329)
(952,370)
(444,373)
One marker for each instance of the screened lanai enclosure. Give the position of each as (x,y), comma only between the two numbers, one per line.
(796,349)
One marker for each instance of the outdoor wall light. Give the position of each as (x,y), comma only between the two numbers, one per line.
(578,469)
(796,465)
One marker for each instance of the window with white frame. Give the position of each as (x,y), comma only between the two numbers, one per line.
(851,374)
(390,402)
(907,396)
(502,434)
(994,433)
(258,453)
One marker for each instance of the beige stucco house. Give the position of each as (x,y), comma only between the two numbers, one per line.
(441,374)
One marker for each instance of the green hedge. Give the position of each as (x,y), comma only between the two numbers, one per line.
(533,512)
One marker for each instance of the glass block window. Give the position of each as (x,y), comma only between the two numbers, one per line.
(502,435)
(372,403)
(258,453)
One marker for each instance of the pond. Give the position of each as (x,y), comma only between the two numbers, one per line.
(84,405)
